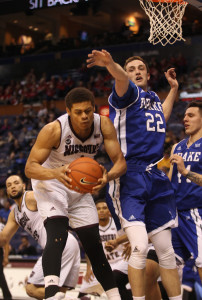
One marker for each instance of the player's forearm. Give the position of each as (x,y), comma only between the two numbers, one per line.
(36,171)
(6,251)
(118,169)
(194,177)
(122,239)
(117,71)
(3,240)
(169,101)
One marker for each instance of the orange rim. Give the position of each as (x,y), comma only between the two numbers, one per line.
(168,1)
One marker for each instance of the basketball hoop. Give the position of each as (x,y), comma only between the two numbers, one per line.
(165,18)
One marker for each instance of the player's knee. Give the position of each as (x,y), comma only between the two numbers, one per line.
(167,258)
(138,256)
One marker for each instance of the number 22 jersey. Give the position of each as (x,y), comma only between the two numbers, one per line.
(140,124)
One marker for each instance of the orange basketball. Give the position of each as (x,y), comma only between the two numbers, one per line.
(85,173)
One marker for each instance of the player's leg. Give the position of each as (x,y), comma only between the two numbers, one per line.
(57,233)
(3,283)
(167,263)
(138,238)
(121,281)
(152,274)
(90,239)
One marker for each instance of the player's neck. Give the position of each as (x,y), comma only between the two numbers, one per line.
(19,202)
(104,223)
(194,137)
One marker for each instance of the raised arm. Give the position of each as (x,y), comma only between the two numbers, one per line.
(48,138)
(170,99)
(104,59)
(9,230)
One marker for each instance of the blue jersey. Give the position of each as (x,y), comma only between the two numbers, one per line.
(188,194)
(140,124)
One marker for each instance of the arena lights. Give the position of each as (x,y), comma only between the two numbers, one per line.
(35,4)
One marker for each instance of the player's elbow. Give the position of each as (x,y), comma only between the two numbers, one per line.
(27,170)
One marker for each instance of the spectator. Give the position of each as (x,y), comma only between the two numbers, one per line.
(5,211)
(25,247)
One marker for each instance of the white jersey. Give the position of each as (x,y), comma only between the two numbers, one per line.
(109,232)
(72,147)
(115,259)
(31,222)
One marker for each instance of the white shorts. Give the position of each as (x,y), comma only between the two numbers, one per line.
(94,287)
(70,266)
(54,199)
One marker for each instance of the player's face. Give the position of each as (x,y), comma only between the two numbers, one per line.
(15,187)
(192,121)
(137,73)
(103,211)
(82,116)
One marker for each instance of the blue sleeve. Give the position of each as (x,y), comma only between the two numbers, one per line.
(129,97)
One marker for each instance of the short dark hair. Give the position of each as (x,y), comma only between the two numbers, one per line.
(78,95)
(100,201)
(136,58)
(195,103)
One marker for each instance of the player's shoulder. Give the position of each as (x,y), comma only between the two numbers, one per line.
(30,201)
(52,129)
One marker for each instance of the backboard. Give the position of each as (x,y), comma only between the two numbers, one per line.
(196,3)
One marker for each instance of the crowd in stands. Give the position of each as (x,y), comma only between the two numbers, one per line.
(31,89)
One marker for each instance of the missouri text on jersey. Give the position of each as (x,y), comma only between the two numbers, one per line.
(73,149)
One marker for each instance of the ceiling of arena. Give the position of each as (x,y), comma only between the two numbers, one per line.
(100,13)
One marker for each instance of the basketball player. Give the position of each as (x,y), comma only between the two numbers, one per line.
(119,266)
(25,215)
(79,132)
(143,197)
(186,178)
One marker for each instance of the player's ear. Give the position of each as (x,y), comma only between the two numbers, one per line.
(67,110)
(148,76)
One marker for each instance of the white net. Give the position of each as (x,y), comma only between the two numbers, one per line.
(165,18)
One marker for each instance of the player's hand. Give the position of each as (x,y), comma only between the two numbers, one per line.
(126,251)
(101,181)
(178,160)
(99,58)
(61,174)
(111,245)
(89,275)
(171,77)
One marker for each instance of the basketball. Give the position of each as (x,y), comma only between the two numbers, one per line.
(85,173)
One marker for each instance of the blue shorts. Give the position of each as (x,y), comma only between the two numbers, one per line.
(143,197)
(190,274)
(187,237)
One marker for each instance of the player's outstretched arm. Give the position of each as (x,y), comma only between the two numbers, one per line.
(170,99)
(113,149)
(9,230)
(104,59)
(48,138)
